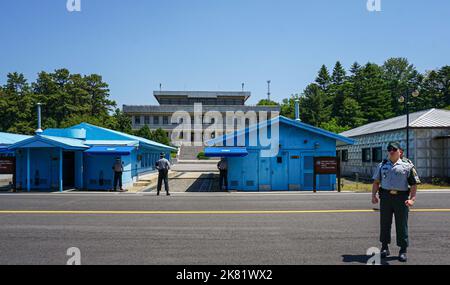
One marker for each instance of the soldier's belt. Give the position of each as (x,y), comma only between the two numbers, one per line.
(395,192)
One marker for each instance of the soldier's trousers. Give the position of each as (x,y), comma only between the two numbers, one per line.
(394,205)
(163,175)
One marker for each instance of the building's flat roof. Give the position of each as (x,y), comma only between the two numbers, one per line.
(202,94)
(431,118)
(140,109)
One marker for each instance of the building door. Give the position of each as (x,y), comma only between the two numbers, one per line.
(280,173)
(294,171)
(308,172)
(265,182)
(250,172)
(68,169)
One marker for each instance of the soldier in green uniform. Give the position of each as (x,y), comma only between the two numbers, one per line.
(395,181)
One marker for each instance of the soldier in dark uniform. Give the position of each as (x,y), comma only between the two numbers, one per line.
(163,167)
(395,181)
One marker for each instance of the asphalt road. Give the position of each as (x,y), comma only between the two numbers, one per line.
(211,228)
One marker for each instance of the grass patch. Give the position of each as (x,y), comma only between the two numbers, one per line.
(366,186)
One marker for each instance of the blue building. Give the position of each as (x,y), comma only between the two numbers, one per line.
(81,157)
(290,168)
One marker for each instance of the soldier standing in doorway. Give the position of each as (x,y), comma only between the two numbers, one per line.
(396,181)
(163,167)
(223,177)
(118,171)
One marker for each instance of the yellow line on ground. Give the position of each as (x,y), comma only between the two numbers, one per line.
(44,212)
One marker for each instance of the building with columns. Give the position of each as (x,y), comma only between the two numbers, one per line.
(170,102)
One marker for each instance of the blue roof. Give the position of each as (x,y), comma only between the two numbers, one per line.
(115,135)
(226,152)
(110,150)
(110,142)
(284,120)
(8,138)
(50,141)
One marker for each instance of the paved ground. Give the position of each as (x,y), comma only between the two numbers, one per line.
(191,182)
(294,232)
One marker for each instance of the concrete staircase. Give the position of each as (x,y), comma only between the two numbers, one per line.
(190,152)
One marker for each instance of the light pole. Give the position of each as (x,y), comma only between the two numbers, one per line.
(405,99)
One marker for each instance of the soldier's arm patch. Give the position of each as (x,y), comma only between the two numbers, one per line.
(413,178)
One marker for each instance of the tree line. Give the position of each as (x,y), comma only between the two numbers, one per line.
(340,100)
(337,101)
(68,99)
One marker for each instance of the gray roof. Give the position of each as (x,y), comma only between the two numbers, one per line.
(142,109)
(203,94)
(432,118)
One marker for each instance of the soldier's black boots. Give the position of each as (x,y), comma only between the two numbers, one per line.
(402,255)
(385,251)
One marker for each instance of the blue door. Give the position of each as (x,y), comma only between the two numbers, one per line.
(294,170)
(280,173)
(250,171)
(265,182)
(308,172)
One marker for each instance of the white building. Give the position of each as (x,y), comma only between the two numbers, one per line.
(429,144)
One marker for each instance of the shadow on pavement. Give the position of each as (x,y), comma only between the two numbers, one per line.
(205,183)
(362,259)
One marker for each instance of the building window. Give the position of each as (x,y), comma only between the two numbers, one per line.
(147,120)
(165,120)
(137,120)
(377,154)
(366,155)
(156,120)
(344,155)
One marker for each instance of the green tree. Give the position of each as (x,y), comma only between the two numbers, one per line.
(323,78)
(120,122)
(333,126)
(355,68)
(338,77)
(401,77)
(373,94)
(144,132)
(287,108)
(266,102)
(160,136)
(313,109)
(351,114)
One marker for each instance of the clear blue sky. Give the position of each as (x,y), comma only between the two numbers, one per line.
(216,44)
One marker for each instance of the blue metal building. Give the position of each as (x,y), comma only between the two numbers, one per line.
(81,157)
(291,168)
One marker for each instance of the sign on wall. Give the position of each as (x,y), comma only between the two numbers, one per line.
(7,165)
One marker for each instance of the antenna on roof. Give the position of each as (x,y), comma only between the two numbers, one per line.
(243,85)
(268,89)
(160,87)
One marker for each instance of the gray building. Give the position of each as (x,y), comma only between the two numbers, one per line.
(429,144)
(159,116)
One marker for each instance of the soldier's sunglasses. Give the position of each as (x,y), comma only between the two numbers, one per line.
(392,149)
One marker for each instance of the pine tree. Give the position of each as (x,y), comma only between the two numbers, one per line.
(323,78)
(373,94)
(338,76)
(313,106)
